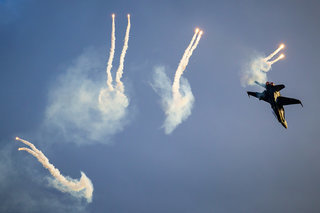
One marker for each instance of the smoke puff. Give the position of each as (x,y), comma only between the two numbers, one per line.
(81,104)
(178,108)
(256,70)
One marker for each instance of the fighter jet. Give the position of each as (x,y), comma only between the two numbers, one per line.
(272,95)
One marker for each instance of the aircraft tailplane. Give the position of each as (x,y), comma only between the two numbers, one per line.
(287,101)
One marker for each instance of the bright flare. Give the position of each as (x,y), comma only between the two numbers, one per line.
(275,52)
(191,50)
(258,68)
(178,104)
(277,59)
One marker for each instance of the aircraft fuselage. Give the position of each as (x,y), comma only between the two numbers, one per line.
(271,95)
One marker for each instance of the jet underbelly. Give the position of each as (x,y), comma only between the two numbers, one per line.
(282,118)
(276,95)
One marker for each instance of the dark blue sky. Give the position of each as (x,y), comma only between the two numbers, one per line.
(230,156)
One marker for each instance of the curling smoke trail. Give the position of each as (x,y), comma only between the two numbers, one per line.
(82,187)
(258,68)
(114,103)
(109,66)
(81,101)
(184,62)
(177,98)
(123,54)
(176,81)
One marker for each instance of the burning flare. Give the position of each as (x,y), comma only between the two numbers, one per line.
(277,59)
(259,66)
(281,46)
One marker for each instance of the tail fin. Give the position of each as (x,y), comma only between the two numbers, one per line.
(279,87)
(254,94)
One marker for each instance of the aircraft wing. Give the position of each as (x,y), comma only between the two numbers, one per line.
(279,87)
(287,101)
(257,95)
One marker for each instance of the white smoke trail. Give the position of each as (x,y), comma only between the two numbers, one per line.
(123,54)
(277,59)
(82,187)
(81,103)
(182,65)
(177,100)
(191,50)
(109,66)
(257,69)
(16,195)
(275,52)
(115,102)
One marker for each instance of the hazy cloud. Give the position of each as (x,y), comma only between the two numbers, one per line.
(81,107)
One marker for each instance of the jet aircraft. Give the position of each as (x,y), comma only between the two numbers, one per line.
(272,95)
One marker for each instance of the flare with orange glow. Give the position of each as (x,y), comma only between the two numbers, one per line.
(277,59)
(281,46)
(259,66)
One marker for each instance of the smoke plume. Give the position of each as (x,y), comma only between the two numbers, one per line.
(81,102)
(177,97)
(111,55)
(258,68)
(122,56)
(79,188)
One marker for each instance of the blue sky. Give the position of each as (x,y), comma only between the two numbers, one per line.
(230,155)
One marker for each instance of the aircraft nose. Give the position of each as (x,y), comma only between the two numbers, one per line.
(285,124)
